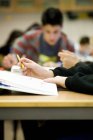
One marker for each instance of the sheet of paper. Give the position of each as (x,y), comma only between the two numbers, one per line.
(27,84)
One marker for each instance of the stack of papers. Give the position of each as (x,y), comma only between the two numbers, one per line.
(16,82)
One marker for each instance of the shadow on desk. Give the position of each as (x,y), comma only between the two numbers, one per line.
(9,92)
(5,92)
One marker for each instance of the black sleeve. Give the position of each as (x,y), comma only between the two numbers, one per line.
(79,67)
(80,83)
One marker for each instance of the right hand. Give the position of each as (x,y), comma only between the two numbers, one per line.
(35,70)
(8,61)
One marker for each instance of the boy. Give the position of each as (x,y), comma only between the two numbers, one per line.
(43,45)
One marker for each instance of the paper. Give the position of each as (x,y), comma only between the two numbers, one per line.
(13,81)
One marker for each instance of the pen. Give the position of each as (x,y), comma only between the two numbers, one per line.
(22,66)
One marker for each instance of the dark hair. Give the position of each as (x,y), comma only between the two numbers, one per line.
(13,35)
(4,50)
(52,16)
(84,40)
(34,26)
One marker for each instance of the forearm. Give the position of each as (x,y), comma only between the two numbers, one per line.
(79,67)
(46,74)
(80,83)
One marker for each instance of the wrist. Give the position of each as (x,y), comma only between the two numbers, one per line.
(62,81)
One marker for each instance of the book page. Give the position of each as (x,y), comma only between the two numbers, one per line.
(27,84)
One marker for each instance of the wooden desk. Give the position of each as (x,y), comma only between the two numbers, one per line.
(68,105)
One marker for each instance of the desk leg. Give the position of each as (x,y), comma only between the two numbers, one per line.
(1,130)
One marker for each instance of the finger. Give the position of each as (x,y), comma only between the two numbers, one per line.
(66,51)
(24,72)
(24,69)
(25,60)
(63,55)
(27,65)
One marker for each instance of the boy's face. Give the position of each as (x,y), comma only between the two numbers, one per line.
(51,33)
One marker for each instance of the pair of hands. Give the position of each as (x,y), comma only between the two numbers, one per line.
(35,70)
(68,59)
(31,68)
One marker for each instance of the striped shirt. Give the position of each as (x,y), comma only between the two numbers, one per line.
(33,46)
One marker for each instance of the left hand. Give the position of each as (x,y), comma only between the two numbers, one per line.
(68,59)
(59,80)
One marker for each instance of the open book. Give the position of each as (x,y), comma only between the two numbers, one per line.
(16,82)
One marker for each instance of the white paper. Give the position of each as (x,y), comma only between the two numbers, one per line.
(26,84)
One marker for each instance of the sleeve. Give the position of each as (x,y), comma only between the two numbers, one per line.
(80,83)
(79,67)
(19,46)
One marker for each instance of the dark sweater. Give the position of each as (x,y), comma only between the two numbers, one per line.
(80,77)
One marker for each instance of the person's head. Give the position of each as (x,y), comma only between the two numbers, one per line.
(52,21)
(4,50)
(84,45)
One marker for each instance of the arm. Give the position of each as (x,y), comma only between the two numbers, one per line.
(80,83)
(81,79)
(79,67)
(35,70)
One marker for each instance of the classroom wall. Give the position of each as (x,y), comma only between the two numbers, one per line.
(73,28)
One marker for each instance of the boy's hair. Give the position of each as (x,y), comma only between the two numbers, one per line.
(84,40)
(52,16)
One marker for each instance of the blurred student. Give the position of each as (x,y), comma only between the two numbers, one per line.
(6,48)
(43,45)
(83,49)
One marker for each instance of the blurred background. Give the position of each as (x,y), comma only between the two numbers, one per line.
(19,14)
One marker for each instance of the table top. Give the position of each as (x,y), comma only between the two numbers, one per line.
(64,99)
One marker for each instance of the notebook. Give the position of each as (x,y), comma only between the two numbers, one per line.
(15,82)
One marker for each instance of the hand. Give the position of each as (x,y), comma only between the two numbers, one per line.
(50,64)
(59,80)
(68,58)
(9,60)
(35,70)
